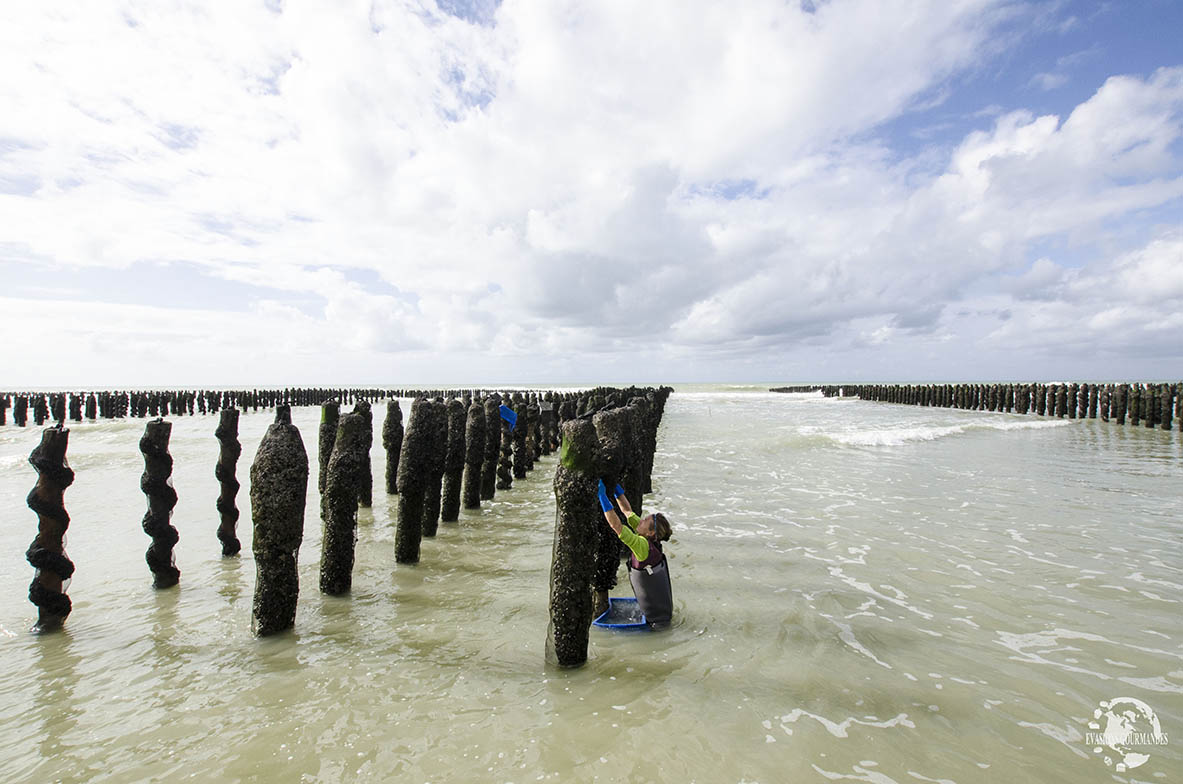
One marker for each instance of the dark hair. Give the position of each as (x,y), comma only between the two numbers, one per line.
(661,527)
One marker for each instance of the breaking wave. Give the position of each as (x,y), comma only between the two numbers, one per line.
(897,436)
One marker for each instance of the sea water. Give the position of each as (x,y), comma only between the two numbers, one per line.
(863,592)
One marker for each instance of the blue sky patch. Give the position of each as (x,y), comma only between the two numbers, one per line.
(479,12)
(730,190)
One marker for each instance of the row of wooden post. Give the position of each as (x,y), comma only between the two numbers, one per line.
(455,450)
(1147,404)
(59,407)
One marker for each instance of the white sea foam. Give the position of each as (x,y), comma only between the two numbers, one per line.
(846,634)
(1158,683)
(12,461)
(1067,735)
(897,436)
(859,774)
(839,728)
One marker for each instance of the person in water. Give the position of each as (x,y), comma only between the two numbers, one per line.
(648,570)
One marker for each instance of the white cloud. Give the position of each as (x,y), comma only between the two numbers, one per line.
(1049,81)
(566,184)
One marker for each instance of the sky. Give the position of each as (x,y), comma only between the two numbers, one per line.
(458,192)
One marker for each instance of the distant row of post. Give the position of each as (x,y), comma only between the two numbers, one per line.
(1140,404)
(60,407)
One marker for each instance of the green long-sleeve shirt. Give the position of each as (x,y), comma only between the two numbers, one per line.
(633,540)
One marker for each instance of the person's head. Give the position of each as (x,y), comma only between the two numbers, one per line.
(655,527)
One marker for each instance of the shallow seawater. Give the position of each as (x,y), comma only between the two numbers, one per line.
(863,592)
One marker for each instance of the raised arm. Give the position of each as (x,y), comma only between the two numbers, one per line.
(634,541)
(624,504)
(606,508)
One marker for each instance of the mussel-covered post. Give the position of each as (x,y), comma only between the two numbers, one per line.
(392,442)
(575,538)
(279,487)
(435,467)
(505,458)
(339,505)
(492,448)
(330,415)
(546,422)
(521,448)
(474,455)
(158,467)
(47,553)
(531,412)
(412,482)
(228,453)
(611,428)
(632,479)
(453,462)
(365,479)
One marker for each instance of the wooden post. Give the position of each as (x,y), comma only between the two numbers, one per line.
(228,453)
(573,553)
(521,457)
(611,426)
(436,457)
(339,505)
(365,479)
(412,482)
(474,454)
(279,490)
(158,468)
(330,415)
(47,553)
(392,442)
(453,461)
(492,447)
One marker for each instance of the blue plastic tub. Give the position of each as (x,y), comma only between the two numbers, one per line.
(622,614)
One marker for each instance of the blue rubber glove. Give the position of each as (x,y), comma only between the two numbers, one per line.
(618,492)
(605,503)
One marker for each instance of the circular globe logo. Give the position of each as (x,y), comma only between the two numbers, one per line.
(1121,729)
